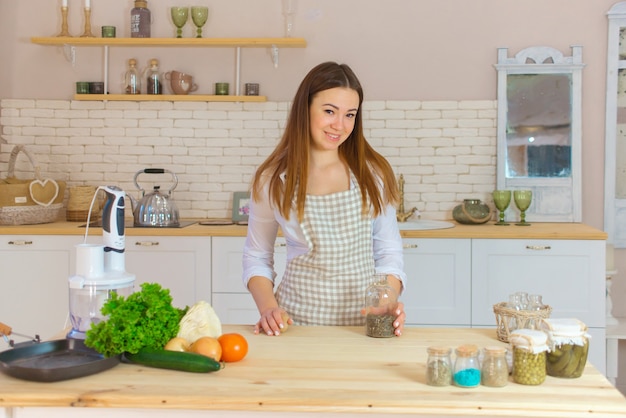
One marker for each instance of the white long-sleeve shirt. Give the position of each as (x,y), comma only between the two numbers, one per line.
(264,221)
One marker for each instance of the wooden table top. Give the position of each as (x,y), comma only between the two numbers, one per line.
(324,370)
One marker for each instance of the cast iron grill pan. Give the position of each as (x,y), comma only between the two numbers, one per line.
(52,361)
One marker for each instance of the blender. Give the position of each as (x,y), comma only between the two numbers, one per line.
(100,268)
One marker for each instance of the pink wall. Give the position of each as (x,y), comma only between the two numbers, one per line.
(401,49)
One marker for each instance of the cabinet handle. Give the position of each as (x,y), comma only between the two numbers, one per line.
(147,243)
(20,242)
(538,247)
(410,246)
(280,244)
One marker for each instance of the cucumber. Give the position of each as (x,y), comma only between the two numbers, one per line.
(174,360)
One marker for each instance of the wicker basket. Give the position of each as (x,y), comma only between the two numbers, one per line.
(29,201)
(509,319)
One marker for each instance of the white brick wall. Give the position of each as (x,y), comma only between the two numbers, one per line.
(445,149)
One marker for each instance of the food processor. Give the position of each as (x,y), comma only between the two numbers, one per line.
(100,268)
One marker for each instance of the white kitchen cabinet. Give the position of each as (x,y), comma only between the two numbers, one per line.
(231,300)
(181,264)
(35,271)
(438,281)
(569,274)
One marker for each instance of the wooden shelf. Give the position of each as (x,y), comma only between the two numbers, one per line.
(175,42)
(168,97)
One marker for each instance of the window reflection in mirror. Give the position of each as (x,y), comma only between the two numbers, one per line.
(538,130)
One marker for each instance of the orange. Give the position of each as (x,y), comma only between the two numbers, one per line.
(207,346)
(234,347)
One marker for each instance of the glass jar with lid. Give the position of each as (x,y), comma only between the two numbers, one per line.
(568,344)
(439,366)
(529,356)
(381,301)
(494,369)
(466,366)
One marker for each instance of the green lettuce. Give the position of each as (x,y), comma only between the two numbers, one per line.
(144,319)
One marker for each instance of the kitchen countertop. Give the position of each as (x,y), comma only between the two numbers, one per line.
(537,230)
(316,370)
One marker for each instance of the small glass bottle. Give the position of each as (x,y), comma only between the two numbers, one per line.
(569,346)
(438,366)
(535,303)
(494,370)
(529,356)
(132,80)
(153,78)
(140,20)
(466,366)
(514,303)
(381,301)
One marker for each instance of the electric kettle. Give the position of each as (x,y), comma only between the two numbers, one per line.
(155,208)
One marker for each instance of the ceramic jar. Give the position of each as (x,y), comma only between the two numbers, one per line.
(471,212)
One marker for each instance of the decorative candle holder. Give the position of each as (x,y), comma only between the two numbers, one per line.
(64,30)
(87,33)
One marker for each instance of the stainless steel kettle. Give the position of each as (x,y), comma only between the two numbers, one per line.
(155,208)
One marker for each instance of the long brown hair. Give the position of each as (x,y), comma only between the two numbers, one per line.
(291,155)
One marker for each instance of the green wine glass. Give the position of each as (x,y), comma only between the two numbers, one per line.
(180,15)
(199,15)
(502,200)
(522,200)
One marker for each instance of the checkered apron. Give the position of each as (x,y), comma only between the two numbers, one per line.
(326,286)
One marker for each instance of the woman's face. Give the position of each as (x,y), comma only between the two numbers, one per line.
(332,115)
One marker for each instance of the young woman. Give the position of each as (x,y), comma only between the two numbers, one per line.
(333,198)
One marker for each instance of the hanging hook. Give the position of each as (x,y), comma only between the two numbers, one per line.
(70,53)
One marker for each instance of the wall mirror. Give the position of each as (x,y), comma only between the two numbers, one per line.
(539,130)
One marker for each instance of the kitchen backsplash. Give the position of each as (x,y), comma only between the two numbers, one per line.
(445,149)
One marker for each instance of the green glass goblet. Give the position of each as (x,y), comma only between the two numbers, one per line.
(180,15)
(199,15)
(502,200)
(522,200)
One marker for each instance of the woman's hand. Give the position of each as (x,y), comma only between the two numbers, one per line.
(398,311)
(398,324)
(272,321)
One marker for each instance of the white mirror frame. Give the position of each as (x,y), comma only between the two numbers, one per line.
(555,199)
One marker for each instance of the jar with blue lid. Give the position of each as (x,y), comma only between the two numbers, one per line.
(466,366)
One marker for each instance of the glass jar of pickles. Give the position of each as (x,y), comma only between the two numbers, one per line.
(438,366)
(529,356)
(495,369)
(568,344)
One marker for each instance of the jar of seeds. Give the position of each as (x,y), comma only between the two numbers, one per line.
(529,356)
(438,366)
(495,369)
(381,301)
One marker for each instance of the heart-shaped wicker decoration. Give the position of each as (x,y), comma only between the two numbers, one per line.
(43,192)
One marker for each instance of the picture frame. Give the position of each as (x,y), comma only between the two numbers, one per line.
(241,206)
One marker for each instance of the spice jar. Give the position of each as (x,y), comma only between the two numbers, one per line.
(438,366)
(381,301)
(568,344)
(153,78)
(494,371)
(529,356)
(466,366)
(132,81)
